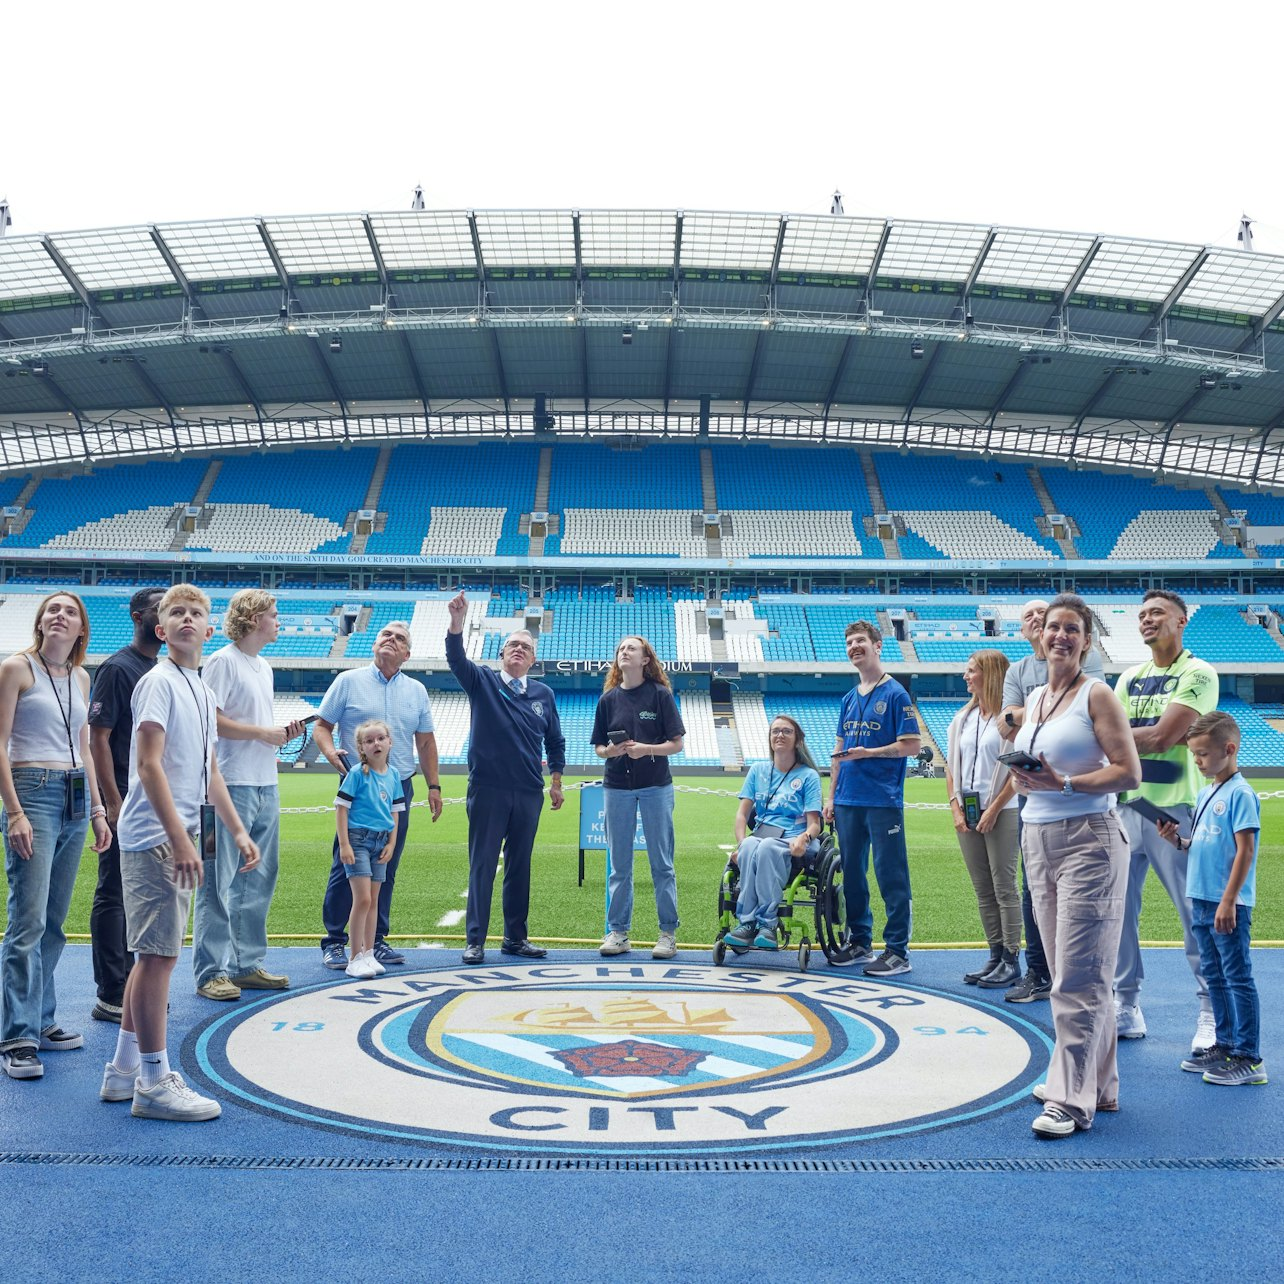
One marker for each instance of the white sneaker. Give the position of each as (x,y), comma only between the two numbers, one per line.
(360,969)
(1129,1023)
(173,1100)
(1205,1033)
(118,1085)
(1054,1122)
(615,943)
(376,968)
(666,947)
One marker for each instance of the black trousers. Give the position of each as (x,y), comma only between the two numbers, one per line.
(506,818)
(110,948)
(336,907)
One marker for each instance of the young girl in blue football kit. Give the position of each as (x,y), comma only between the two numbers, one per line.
(365,811)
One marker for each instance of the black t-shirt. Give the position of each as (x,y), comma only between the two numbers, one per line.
(113,688)
(649,714)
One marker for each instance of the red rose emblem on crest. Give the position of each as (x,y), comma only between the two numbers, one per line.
(628,1057)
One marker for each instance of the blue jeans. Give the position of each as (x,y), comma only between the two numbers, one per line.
(1223,957)
(622,808)
(881,829)
(229,928)
(39,896)
(764,871)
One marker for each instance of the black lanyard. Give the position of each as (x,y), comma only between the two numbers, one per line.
(771,797)
(66,713)
(1038,726)
(203,713)
(863,705)
(976,745)
(1194,824)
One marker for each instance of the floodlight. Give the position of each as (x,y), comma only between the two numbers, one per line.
(39,367)
(916,351)
(336,344)
(1207,382)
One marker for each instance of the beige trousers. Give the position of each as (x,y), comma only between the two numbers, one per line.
(991,861)
(1077,870)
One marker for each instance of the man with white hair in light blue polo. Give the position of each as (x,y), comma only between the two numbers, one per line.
(380,690)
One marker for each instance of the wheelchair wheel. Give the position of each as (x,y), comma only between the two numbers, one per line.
(719,952)
(831,907)
(804,955)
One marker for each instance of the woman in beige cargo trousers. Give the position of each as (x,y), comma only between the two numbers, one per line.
(1076,859)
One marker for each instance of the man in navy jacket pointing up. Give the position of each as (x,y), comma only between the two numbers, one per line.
(514,725)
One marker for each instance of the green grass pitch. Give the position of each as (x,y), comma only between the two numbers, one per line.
(434,872)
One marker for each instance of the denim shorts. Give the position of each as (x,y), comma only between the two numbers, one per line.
(367,847)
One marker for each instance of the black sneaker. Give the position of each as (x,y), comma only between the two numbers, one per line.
(888,963)
(104,1011)
(1206,1059)
(56,1039)
(1029,988)
(335,957)
(22,1063)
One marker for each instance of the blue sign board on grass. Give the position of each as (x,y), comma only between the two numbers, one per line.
(593,829)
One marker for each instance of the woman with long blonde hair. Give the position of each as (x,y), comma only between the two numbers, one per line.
(635,731)
(50,795)
(983,804)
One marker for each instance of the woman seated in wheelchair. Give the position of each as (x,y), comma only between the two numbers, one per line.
(783,797)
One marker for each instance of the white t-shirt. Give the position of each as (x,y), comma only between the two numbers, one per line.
(976,755)
(242,684)
(177,700)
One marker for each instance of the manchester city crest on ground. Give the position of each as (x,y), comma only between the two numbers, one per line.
(623,1059)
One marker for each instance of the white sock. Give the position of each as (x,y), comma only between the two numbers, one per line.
(153,1067)
(126,1057)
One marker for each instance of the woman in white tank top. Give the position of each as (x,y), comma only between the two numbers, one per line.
(50,796)
(1076,857)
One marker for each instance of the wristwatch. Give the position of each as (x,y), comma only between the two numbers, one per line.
(1067,785)
(1009,719)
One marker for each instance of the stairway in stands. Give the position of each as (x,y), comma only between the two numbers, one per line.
(374,492)
(1067,545)
(724,723)
(709,498)
(543,481)
(891,549)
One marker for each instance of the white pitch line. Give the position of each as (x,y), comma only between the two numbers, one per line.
(451,918)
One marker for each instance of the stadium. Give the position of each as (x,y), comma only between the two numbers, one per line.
(729,432)
(732,433)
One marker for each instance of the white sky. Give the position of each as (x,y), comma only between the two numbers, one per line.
(1135,118)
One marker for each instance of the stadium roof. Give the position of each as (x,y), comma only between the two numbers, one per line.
(1055,345)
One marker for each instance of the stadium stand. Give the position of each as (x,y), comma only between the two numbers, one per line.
(121,507)
(778,532)
(963,508)
(816,714)
(428,484)
(231,528)
(1151,521)
(700,745)
(589,476)
(633,532)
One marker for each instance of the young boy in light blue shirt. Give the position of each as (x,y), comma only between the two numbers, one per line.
(1221,883)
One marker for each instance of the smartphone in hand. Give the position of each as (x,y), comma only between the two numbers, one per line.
(1020,759)
(617,737)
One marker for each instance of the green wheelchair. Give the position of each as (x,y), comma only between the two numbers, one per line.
(813,910)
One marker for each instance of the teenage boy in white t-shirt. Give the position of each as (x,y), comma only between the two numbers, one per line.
(229,932)
(172,772)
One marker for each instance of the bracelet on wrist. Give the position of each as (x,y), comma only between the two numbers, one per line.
(436,787)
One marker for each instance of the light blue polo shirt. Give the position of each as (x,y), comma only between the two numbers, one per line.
(357,695)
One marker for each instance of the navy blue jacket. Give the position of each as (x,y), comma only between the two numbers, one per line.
(510,733)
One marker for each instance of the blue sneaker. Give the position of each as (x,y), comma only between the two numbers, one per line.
(766,939)
(740,939)
(334,957)
(385,954)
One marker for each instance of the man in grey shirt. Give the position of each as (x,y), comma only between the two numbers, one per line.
(1021,679)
